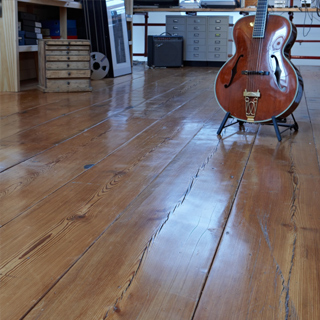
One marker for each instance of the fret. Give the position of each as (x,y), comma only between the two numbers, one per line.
(260,19)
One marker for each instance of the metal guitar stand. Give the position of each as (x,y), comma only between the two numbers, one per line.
(281,122)
(224,121)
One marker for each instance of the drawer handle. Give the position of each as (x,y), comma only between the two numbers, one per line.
(218,21)
(217,55)
(175,27)
(69,73)
(217,49)
(196,34)
(68,65)
(67,52)
(196,28)
(195,41)
(68,83)
(68,58)
(217,42)
(196,48)
(218,28)
(175,20)
(218,34)
(197,21)
(196,55)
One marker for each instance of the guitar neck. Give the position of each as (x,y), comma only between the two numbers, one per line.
(260,19)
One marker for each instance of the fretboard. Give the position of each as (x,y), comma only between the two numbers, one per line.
(260,19)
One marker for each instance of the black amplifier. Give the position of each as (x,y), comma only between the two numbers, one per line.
(165,51)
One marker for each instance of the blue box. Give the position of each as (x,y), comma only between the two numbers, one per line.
(55,31)
(71,24)
(21,36)
(72,31)
(48,24)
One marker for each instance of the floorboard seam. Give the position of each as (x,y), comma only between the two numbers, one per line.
(156,233)
(224,228)
(100,122)
(116,219)
(121,146)
(313,135)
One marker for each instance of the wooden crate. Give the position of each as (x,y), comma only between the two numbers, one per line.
(64,65)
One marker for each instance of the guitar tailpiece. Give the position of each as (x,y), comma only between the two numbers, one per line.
(251,104)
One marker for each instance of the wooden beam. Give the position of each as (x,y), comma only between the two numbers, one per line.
(9,53)
(57,3)
(63,23)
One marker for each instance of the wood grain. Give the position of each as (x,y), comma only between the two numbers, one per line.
(55,167)
(149,214)
(25,110)
(272,239)
(38,177)
(9,53)
(111,183)
(171,275)
(37,139)
(125,204)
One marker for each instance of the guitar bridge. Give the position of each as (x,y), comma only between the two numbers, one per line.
(259,73)
(251,104)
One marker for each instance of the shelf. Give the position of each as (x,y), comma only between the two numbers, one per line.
(222,10)
(28,48)
(55,3)
(9,48)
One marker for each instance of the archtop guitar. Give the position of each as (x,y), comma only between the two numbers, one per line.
(260,82)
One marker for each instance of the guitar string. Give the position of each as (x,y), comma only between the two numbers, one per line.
(258,52)
(253,58)
(263,32)
(262,14)
(250,58)
(254,54)
(261,11)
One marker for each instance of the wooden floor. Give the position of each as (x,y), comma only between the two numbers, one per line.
(123,203)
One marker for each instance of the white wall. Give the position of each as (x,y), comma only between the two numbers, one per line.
(305,49)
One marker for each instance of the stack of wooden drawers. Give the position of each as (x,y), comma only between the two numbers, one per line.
(64,65)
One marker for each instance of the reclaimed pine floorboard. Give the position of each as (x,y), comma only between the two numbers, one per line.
(38,138)
(125,204)
(70,158)
(271,244)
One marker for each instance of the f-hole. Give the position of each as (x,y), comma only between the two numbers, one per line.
(277,72)
(233,72)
